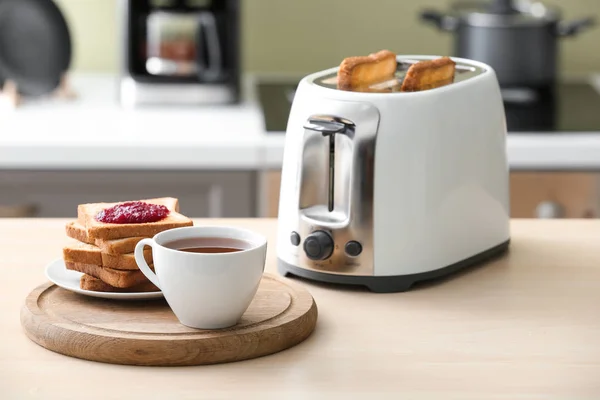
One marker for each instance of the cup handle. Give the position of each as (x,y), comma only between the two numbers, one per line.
(141,261)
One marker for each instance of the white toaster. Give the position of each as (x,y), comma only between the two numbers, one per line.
(386,189)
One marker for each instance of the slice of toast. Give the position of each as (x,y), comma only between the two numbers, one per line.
(429,74)
(89,254)
(83,253)
(100,230)
(84,211)
(116,246)
(357,72)
(110,276)
(106,231)
(125,261)
(88,282)
(77,231)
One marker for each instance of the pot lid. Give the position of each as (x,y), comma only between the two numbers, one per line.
(504,12)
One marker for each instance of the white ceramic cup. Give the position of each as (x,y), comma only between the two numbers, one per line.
(205,290)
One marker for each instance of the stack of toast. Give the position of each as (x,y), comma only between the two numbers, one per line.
(103,252)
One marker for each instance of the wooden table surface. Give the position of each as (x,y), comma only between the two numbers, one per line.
(524,326)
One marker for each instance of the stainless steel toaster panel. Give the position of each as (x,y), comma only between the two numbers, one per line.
(336,191)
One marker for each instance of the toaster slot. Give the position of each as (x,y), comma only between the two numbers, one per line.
(342,167)
(314,180)
(326,168)
(331,187)
(463,72)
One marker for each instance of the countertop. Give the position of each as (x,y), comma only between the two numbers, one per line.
(523,326)
(95,132)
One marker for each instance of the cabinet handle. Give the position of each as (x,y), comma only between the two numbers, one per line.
(18,211)
(549,209)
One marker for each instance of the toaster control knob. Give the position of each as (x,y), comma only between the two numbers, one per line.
(295,238)
(318,245)
(353,248)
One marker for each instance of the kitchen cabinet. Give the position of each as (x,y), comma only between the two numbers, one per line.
(533,194)
(229,194)
(554,194)
(271,181)
(57,193)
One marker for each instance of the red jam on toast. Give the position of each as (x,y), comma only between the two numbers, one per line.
(132,212)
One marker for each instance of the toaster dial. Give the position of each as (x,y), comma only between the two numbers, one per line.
(353,248)
(318,245)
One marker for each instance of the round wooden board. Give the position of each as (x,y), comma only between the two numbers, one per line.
(148,333)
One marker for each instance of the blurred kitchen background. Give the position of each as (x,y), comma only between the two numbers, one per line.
(101,112)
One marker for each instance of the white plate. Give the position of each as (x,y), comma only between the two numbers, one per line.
(67,279)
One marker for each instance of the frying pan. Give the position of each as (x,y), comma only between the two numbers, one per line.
(35,45)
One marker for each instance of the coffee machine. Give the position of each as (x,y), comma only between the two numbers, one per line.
(179,52)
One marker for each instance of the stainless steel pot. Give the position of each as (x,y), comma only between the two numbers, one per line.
(518,39)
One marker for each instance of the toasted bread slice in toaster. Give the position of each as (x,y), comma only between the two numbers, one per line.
(429,74)
(357,72)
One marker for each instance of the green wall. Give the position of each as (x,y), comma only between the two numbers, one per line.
(300,36)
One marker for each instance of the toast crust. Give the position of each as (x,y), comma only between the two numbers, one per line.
(110,276)
(88,282)
(429,74)
(356,72)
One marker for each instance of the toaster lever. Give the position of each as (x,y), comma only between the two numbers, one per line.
(329,125)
